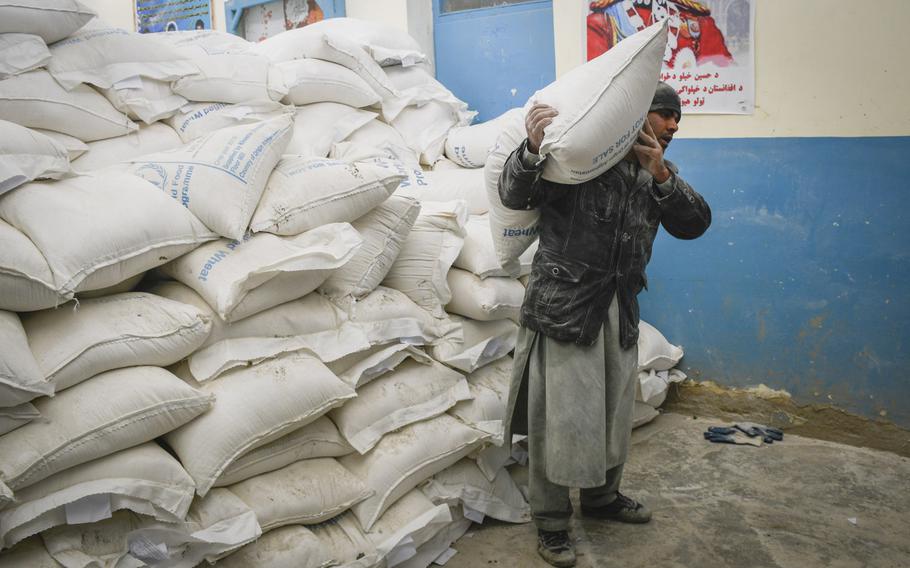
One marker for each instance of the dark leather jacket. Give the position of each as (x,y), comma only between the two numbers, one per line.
(595,239)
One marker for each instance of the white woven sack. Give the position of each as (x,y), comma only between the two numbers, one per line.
(652,386)
(255,406)
(26,155)
(36,100)
(97,231)
(319,125)
(473,344)
(384,230)
(144,479)
(205,42)
(304,193)
(195,120)
(214,526)
(30,552)
(303,493)
(74,147)
(478,254)
(242,278)
(446,164)
(319,439)
(221,176)
(654,351)
(387,315)
(386,44)
(412,519)
(157,137)
(447,185)
(417,87)
(486,299)
(20,53)
(486,409)
(513,231)
(439,547)
(642,413)
(26,282)
(425,128)
(12,417)
(293,546)
(410,522)
(413,391)
(602,106)
(313,81)
(53,20)
(6,495)
(311,323)
(344,542)
(122,409)
(141,98)
(469,146)
(123,330)
(103,56)
(427,255)
(232,78)
(127,285)
(375,139)
(403,459)
(500,498)
(357,369)
(301,43)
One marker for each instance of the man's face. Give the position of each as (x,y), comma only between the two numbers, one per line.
(665,124)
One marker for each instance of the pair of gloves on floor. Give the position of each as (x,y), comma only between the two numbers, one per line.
(748,433)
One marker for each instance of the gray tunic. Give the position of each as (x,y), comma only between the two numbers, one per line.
(589,394)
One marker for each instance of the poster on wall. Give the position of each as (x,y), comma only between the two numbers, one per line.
(270,18)
(172,15)
(710,56)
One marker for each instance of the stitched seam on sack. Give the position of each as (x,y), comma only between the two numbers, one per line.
(410,472)
(47,460)
(321,202)
(390,237)
(182,330)
(71,105)
(100,262)
(250,464)
(331,511)
(315,412)
(601,93)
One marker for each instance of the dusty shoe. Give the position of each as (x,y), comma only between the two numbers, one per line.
(622,509)
(556,548)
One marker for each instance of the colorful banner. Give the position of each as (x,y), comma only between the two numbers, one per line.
(710,56)
(173,15)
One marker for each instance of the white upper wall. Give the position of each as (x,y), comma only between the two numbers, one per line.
(822,67)
(119,13)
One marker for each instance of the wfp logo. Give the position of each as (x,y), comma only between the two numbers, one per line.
(154,173)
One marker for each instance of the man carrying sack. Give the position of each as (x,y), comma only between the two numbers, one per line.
(576,361)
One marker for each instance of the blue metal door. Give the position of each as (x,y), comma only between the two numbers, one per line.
(494,54)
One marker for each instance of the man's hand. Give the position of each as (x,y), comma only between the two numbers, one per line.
(539,117)
(650,154)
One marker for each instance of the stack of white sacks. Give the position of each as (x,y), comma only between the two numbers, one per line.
(313,369)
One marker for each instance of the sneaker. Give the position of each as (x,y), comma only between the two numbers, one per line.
(556,548)
(622,509)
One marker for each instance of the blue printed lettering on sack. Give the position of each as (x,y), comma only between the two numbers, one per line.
(622,144)
(219,256)
(200,114)
(525,232)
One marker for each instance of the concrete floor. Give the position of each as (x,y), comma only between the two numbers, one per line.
(798,503)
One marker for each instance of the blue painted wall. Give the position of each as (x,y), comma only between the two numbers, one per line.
(801,283)
(495,58)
